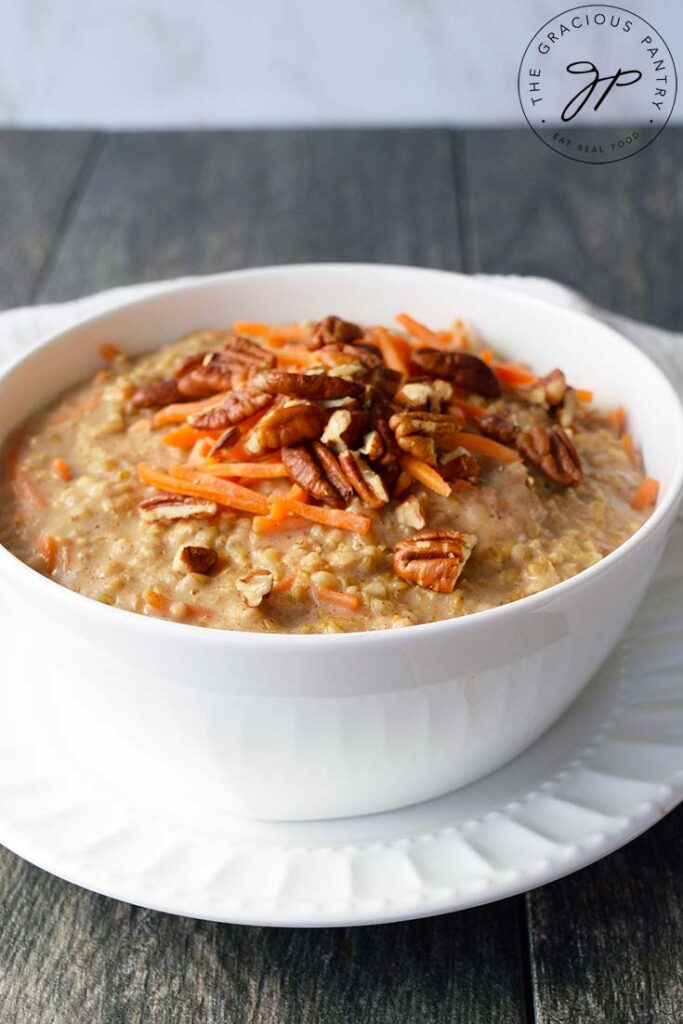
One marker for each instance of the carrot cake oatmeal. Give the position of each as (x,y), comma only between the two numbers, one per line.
(320,477)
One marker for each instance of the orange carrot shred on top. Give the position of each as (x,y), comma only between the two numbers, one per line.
(390,351)
(297,493)
(60,470)
(513,374)
(276,335)
(583,394)
(264,525)
(471,409)
(425,474)
(646,494)
(332,517)
(419,331)
(487,355)
(402,484)
(109,352)
(195,484)
(617,419)
(248,470)
(285,584)
(178,412)
(335,598)
(48,549)
(629,447)
(483,446)
(186,436)
(297,356)
(200,452)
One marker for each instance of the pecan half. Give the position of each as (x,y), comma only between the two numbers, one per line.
(426,395)
(548,391)
(498,427)
(459,465)
(433,558)
(244,352)
(255,586)
(212,375)
(465,370)
(421,433)
(309,386)
(306,471)
(332,330)
(185,364)
(287,425)
(159,392)
(551,450)
(333,471)
(168,507)
(367,484)
(195,558)
(235,408)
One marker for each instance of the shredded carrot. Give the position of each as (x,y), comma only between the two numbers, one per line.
(629,447)
(513,374)
(285,584)
(142,426)
(336,598)
(276,335)
(76,411)
(470,409)
(464,485)
(48,549)
(109,352)
(195,484)
(425,474)
(263,525)
(179,411)
(445,336)
(402,484)
(583,394)
(297,356)
(162,604)
(390,351)
(297,493)
(333,517)
(200,451)
(646,494)
(419,331)
(22,484)
(487,355)
(186,436)
(249,470)
(60,470)
(617,419)
(483,446)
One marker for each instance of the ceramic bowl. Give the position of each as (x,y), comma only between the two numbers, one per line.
(277,726)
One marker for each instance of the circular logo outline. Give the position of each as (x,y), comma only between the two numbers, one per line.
(577,159)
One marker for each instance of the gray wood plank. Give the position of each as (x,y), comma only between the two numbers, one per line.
(606,942)
(40,175)
(612,230)
(69,955)
(168,204)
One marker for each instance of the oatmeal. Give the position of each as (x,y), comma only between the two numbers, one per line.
(318,478)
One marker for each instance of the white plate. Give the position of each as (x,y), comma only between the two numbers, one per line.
(609,769)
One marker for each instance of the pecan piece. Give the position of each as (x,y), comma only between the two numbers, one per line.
(308,473)
(333,471)
(459,465)
(498,427)
(332,330)
(227,439)
(421,433)
(548,391)
(308,386)
(433,558)
(346,428)
(287,425)
(254,586)
(425,395)
(244,352)
(195,558)
(367,484)
(159,392)
(235,408)
(185,364)
(465,370)
(551,450)
(167,507)
(411,514)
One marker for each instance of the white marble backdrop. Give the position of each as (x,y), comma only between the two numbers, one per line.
(167,63)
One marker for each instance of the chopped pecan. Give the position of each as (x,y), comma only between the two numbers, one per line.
(373,446)
(309,386)
(434,558)
(332,330)
(306,471)
(459,465)
(551,451)
(422,433)
(254,586)
(367,484)
(235,408)
(385,381)
(226,440)
(368,355)
(465,370)
(548,391)
(333,471)
(425,395)
(411,514)
(166,507)
(287,425)
(566,412)
(498,427)
(159,392)
(244,352)
(346,428)
(195,558)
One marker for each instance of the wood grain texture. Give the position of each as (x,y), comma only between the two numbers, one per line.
(613,231)
(68,955)
(170,204)
(40,175)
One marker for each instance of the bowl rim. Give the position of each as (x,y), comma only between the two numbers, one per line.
(165,628)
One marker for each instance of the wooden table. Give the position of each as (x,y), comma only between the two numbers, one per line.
(82,212)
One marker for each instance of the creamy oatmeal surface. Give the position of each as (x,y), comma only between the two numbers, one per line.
(319,478)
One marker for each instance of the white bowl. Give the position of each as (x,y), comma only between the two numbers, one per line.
(280,726)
